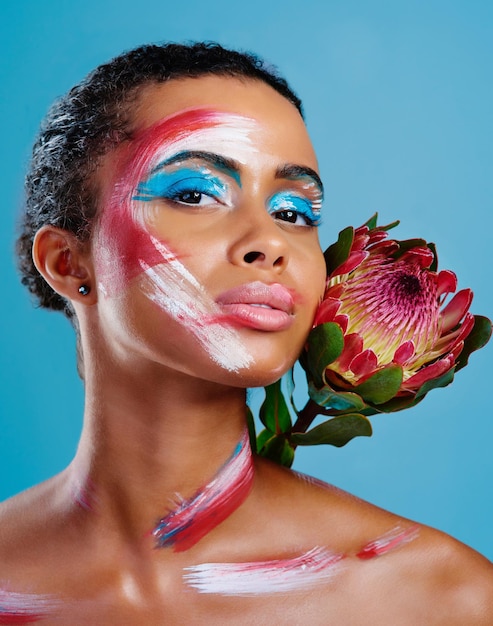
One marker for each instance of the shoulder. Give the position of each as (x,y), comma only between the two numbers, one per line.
(28,524)
(457,581)
(419,571)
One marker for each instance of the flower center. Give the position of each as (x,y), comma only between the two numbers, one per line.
(407,286)
(389,304)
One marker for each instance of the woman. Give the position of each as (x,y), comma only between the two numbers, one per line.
(172,206)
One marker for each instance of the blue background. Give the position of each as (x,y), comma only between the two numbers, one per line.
(399,101)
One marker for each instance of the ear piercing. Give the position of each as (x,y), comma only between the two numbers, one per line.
(84,290)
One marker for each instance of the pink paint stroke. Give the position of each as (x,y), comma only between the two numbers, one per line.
(310,569)
(124,240)
(175,290)
(24,608)
(197,516)
(84,494)
(391,540)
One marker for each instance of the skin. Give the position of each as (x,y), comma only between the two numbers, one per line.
(155,425)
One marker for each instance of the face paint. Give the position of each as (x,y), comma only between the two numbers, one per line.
(124,241)
(126,249)
(390,541)
(316,567)
(25,608)
(197,516)
(176,291)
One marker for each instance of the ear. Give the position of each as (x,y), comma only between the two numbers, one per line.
(64,263)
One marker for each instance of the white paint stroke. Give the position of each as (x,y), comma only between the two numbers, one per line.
(173,288)
(313,568)
(27,604)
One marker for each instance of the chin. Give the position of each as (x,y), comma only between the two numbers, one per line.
(262,374)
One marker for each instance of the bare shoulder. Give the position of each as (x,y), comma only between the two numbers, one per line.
(28,522)
(395,570)
(456,580)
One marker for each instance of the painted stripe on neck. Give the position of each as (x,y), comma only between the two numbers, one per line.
(212,504)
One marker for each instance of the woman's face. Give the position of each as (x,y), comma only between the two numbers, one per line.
(206,251)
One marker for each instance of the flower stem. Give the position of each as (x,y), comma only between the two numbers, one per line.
(306,416)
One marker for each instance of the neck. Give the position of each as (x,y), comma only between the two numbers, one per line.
(151,441)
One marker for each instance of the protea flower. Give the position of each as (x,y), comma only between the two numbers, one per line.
(399,338)
(383,337)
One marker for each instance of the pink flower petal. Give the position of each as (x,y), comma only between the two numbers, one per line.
(355,258)
(359,242)
(447,343)
(404,352)
(429,372)
(326,311)
(343,321)
(421,255)
(455,309)
(377,236)
(361,230)
(335,291)
(353,345)
(447,282)
(384,247)
(364,363)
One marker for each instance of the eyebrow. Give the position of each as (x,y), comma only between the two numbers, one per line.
(229,165)
(291,171)
(232,167)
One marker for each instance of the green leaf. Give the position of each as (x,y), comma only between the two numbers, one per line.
(335,432)
(434,264)
(372,222)
(381,386)
(389,226)
(290,388)
(330,399)
(325,344)
(477,338)
(274,413)
(434,383)
(263,438)
(397,404)
(277,449)
(338,252)
(251,430)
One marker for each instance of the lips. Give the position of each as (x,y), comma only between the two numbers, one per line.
(259,306)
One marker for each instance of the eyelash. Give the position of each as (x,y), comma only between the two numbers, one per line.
(175,186)
(203,187)
(299,206)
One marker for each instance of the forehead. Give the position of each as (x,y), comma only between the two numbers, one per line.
(280,129)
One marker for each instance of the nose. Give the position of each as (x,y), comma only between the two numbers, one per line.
(261,244)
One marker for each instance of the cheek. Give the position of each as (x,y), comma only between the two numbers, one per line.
(124,250)
(131,253)
(313,275)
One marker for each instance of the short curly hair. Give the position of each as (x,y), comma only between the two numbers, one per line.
(92,118)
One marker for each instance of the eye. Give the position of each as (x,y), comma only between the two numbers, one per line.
(183,187)
(293,217)
(191,196)
(297,210)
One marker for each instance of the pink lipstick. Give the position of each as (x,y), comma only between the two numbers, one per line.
(259,306)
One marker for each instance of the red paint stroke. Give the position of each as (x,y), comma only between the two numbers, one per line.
(124,241)
(391,540)
(212,504)
(7,617)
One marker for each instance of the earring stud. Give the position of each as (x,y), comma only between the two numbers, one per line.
(84,290)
